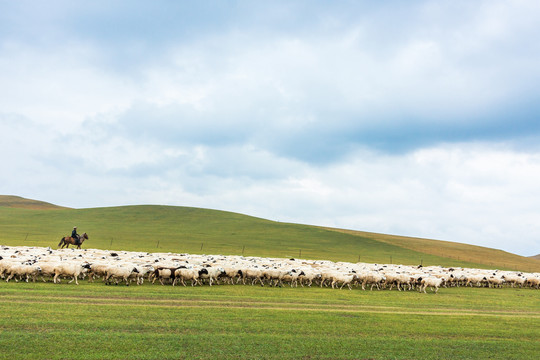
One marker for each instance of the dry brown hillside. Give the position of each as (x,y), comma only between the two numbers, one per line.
(536,257)
(20,202)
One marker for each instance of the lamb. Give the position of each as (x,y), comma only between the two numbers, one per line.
(70,269)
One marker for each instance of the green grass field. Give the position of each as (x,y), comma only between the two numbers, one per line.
(203,231)
(95,321)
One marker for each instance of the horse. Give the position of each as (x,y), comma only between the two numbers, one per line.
(68,240)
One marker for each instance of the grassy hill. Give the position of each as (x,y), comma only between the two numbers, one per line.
(153,228)
(20,202)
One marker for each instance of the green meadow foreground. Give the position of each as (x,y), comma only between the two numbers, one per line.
(95,321)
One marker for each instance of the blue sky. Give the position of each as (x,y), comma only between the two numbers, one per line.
(415,118)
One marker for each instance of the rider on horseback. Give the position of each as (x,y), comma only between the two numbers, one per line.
(75,236)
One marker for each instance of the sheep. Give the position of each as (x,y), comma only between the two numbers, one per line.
(232,273)
(70,269)
(495,281)
(189,274)
(326,274)
(292,277)
(143,271)
(308,276)
(478,280)
(25,271)
(122,272)
(274,276)
(432,282)
(234,269)
(533,282)
(514,279)
(163,273)
(254,275)
(399,280)
(48,269)
(371,278)
(213,274)
(6,264)
(343,280)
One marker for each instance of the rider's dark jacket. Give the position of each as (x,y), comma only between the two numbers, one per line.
(74,234)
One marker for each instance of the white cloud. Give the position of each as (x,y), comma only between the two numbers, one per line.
(357,118)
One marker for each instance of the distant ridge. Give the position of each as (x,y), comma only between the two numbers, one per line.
(536,257)
(22,203)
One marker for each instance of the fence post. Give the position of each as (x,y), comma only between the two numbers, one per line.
(243,248)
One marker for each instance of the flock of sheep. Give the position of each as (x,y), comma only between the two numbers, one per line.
(31,263)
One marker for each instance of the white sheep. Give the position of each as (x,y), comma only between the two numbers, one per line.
(343,279)
(70,269)
(189,274)
(121,272)
(432,282)
(23,271)
(372,278)
(213,274)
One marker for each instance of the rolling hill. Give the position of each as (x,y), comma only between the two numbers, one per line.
(20,202)
(155,228)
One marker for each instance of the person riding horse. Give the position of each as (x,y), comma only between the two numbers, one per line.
(76,236)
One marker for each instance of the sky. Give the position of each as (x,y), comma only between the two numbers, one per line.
(415,118)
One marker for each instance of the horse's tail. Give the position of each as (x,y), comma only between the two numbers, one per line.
(61,242)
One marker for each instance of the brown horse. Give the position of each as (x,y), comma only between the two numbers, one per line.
(68,240)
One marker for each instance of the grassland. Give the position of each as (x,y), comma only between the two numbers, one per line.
(94,321)
(202,231)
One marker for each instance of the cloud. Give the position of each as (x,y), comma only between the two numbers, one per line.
(409,118)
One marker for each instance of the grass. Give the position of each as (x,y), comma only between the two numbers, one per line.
(202,231)
(94,321)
